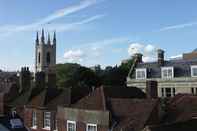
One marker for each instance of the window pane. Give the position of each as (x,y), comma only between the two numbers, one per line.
(162,92)
(169,73)
(92,128)
(194,71)
(140,74)
(47,119)
(34,119)
(168,92)
(71,126)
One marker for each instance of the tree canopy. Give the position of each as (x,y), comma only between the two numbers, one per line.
(75,75)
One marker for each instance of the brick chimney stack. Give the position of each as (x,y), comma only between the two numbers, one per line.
(25,79)
(160,57)
(138,56)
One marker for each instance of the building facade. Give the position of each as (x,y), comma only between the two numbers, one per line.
(172,76)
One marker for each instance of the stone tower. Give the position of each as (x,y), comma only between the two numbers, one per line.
(45,55)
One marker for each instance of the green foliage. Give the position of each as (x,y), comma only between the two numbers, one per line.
(75,75)
(71,75)
(115,76)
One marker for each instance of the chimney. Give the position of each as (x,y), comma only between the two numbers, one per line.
(151,89)
(138,56)
(51,80)
(160,57)
(25,79)
(40,80)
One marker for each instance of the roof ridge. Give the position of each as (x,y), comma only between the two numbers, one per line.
(103,98)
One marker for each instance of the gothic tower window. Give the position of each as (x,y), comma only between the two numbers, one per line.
(48,58)
(39,57)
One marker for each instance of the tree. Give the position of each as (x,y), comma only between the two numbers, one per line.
(71,75)
(116,76)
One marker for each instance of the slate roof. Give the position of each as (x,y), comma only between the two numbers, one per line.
(128,114)
(182,68)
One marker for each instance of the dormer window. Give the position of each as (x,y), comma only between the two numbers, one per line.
(167,72)
(91,127)
(194,71)
(141,73)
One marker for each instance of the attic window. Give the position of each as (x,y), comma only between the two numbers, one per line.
(167,72)
(194,71)
(71,125)
(91,127)
(141,73)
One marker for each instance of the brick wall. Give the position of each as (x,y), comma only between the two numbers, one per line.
(40,119)
(82,118)
(80,126)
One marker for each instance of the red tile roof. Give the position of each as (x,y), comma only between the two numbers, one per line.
(127,113)
(182,107)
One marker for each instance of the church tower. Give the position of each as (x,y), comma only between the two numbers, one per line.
(45,53)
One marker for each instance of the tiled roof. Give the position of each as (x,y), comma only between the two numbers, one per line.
(132,114)
(98,98)
(50,98)
(190,125)
(126,112)
(94,101)
(182,107)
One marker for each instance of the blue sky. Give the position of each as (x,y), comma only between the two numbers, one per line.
(93,32)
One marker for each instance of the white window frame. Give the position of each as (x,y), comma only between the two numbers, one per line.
(34,120)
(167,68)
(89,124)
(71,122)
(56,125)
(192,73)
(141,69)
(48,120)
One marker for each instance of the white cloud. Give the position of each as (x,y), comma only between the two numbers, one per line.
(74,55)
(107,42)
(10,29)
(148,58)
(67,11)
(135,48)
(148,51)
(177,56)
(92,52)
(180,26)
(71,26)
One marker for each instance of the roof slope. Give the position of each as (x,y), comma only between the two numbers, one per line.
(179,126)
(132,114)
(182,107)
(181,68)
(126,113)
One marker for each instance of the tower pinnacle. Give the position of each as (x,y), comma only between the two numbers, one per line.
(49,39)
(54,38)
(42,37)
(37,38)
